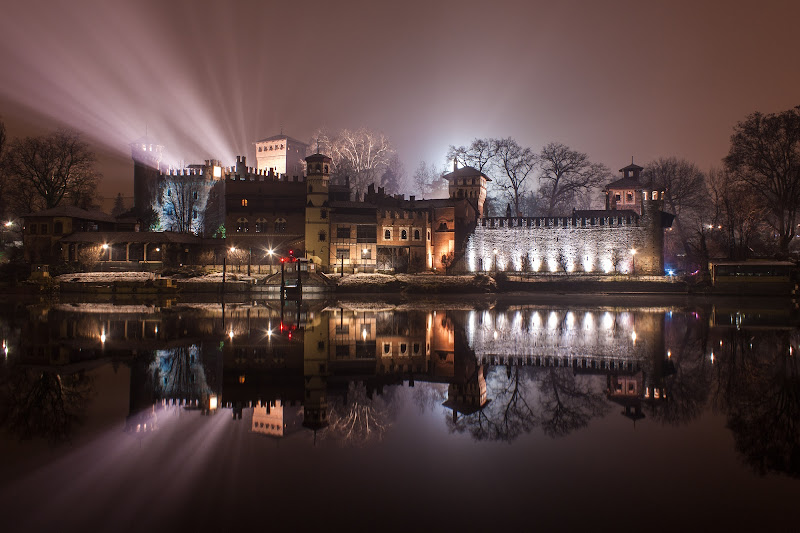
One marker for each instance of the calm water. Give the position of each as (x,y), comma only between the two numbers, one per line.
(566,415)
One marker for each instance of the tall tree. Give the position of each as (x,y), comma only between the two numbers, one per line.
(183,210)
(362,155)
(737,210)
(119,205)
(515,164)
(50,170)
(394,175)
(765,153)
(565,175)
(686,195)
(428,182)
(480,154)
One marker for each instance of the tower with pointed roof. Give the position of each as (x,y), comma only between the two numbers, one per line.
(468,182)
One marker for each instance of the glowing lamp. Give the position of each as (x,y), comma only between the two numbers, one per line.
(217,172)
(105,247)
(212,402)
(9,224)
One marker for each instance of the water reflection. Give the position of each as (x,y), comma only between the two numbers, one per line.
(335,371)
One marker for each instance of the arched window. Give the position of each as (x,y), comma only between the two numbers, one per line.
(387,235)
(403,235)
(280,225)
(261,225)
(242,225)
(244,202)
(416,234)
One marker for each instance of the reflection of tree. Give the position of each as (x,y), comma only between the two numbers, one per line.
(44,404)
(687,390)
(763,403)
(568,401)
(509,413)
(427,396)
(359,419)
(178,373)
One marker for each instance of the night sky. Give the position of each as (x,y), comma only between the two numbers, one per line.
(207,78)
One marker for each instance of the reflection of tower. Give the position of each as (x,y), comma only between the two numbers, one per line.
(315,374)
(147,155)
(466,392)
(317,221)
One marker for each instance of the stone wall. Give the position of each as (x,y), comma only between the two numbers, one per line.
(567,244)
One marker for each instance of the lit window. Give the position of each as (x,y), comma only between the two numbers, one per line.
(387,234)
(244,202)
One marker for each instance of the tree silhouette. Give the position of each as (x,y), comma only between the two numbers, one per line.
(567,402)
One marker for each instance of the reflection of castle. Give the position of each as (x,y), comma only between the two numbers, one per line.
(278,360)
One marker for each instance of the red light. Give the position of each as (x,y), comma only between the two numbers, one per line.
(283,259)
(290,334)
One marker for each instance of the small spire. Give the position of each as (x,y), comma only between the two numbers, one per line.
(631,160)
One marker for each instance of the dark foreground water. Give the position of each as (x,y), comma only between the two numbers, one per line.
(560,415)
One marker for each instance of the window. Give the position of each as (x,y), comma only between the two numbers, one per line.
(342,350)
(366,233)
(629,197)
(242,225)
(403,347)
(34,229)
(323,214)
(58,228)
(403,234)
(617,197)
(194,213)
(387,234)
(429,235)
(244,202)
(343,232)
(342,329)
(280,225)
(322,236)
(44,229)
(343,253)
(416,235)
(366,253)
(387,347)
(655,195)
(194,195)
(261,225)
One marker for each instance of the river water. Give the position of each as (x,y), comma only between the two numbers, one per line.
(558,414)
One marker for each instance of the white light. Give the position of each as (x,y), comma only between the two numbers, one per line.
(364,334)
(212,402)
(669,354)
(230,334)
(105,247)
(633,337)
(233,248)
(217,172)
(103,337)
(9,224)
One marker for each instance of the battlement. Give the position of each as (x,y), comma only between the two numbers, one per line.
(561,222)
(255,174)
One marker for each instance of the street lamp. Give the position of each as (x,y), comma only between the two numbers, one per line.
(270,254)
(633,261)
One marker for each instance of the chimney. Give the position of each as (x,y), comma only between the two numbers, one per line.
(411,198)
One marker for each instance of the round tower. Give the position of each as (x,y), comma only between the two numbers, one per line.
(651,256)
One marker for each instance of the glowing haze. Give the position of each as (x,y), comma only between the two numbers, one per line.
(207,78)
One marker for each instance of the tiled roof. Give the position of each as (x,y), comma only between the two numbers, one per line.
(153,237)
(465,172)
(73,212)
(280,138)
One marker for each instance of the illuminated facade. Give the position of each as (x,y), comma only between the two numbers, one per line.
(281,154)
(594,241)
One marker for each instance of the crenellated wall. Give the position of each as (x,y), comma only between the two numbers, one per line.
(601,244)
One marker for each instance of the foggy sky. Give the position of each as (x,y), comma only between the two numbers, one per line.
(207,78)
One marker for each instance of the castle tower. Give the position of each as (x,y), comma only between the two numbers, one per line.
(317,220)
(653,221)
(626,193)
(469,183)
(146,155)
(281,154)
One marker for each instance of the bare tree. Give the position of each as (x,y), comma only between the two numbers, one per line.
(515,164)
(765,153)
(363,155)
(686,195)
(428,181)
(565,174)
(480,154)
(737,210)
(50,170)
(182,201)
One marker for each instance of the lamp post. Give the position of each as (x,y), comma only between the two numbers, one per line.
(270,253)
(633,261)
